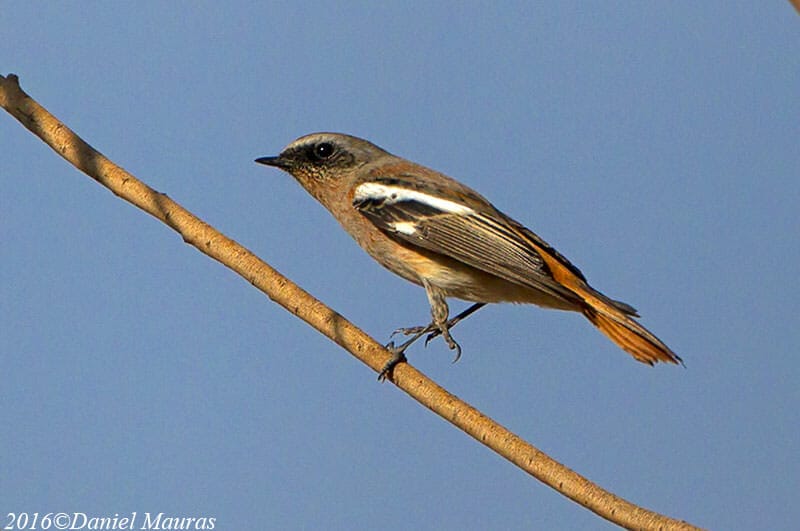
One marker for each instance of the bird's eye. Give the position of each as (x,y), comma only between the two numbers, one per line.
(323,150)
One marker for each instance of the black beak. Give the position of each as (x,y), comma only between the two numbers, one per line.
(278,162)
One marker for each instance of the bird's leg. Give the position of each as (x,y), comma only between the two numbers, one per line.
(418,331)
(434,332)
(440,313)
(439,326)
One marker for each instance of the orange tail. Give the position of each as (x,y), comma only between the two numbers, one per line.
(613,318)
(631,337)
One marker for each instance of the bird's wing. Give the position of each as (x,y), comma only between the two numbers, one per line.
(478,236)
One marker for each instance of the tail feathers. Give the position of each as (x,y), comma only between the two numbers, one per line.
(625,308)
(631,337)
(613,318)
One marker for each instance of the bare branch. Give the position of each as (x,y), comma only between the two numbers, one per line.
(328,322)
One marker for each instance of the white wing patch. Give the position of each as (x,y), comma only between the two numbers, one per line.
(395,194)
(405,227)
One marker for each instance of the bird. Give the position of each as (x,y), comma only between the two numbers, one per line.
(438,233)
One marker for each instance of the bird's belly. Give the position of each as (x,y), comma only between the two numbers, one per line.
(461,281)
(470,284)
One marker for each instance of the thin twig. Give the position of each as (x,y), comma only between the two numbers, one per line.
(284,292)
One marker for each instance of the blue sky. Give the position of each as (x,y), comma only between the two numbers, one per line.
(654,144)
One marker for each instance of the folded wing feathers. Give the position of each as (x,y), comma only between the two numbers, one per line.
(482,240)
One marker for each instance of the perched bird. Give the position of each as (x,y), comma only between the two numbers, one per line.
(438,233)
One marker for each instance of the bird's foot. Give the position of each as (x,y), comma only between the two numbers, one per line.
(445,332)
(433,330)
(413,330)
(398,356)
